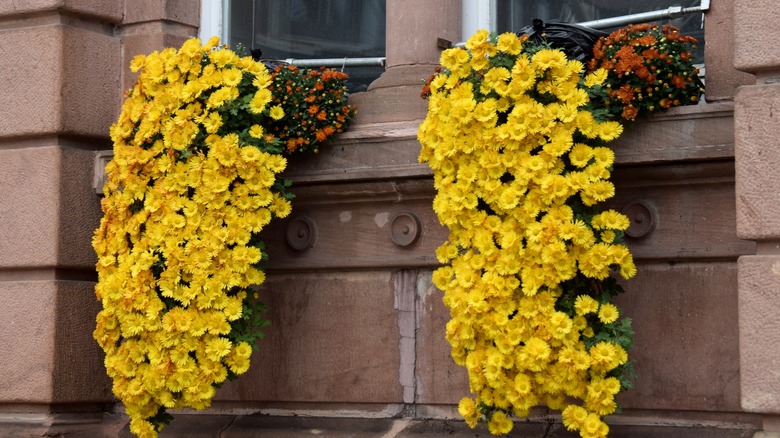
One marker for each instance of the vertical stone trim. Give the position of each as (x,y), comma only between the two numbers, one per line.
(412,30)
(150,25)
(60,61)
(405,289)
(757,155)
(721,76)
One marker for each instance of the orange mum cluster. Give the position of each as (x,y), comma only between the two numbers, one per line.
(649,68)
(315,102)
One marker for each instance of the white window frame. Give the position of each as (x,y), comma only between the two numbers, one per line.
(213,19)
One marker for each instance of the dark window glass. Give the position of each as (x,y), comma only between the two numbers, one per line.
(514,14)
(305,29)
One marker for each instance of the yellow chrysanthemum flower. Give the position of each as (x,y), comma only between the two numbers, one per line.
(608,313)
(500,137)
(510,43)
(499,424)
(276,112)
(468,410)
(255,131)
(260,100)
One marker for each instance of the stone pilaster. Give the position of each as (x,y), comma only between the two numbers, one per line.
(758,206)
(150,25)
(63,78)
(60,93)
(413,28)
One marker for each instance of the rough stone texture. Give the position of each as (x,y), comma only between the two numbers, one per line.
(757,160)
(759,333)
(90,82)
(771,423)
(105,10)
(439,379)
(721,76)
(248,427)
(178,11)
(389,104)
(662,431)
(693,206)
(49,214)
(412,32)
(29,188)
(413,28)
(684,133)
(394,96)
(686,349)
(219,426)
(48,352)
(333,337)
(27,333)
(405,290)
(377,151)
(58,75)
(756,35)
(364,212)
(79,374)
(79,210)
(70,425)
(32,103)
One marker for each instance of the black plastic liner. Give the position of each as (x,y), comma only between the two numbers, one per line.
(575,40)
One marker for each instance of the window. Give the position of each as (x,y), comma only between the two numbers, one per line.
(306,29)
(511,15)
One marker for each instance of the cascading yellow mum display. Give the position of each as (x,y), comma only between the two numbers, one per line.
(520,165)
(193,180)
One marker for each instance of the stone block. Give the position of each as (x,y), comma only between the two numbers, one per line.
(29,192)
(31,101)
(27,334)
(81,424)
(78,209)
(721,76)
(459,429)
(683,133)
(413,29)
(90,82)
(371,214)
(334,337)
(177,11)
(203,426)
(79,374)
(110,11)
(756,35)
(192,426)
(292,427)
(688,211)
(377,151)
(48,352)
(759,333)
(389,104)
(757,160)
(439,379)
(660,431)
(64,80)
(50,213)
(686,346)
